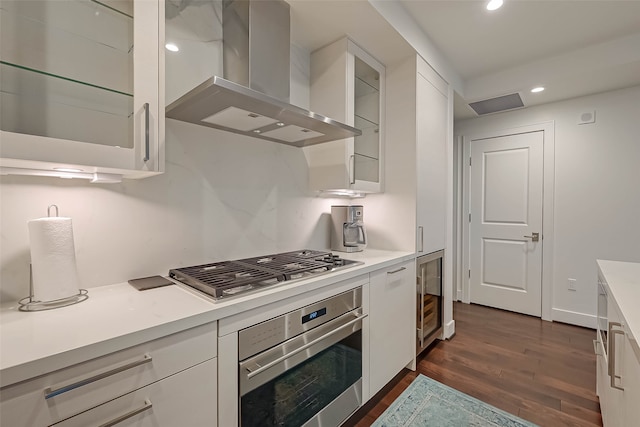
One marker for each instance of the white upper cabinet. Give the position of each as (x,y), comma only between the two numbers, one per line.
(431,154)
(82,88)
(418,158)
(348,84)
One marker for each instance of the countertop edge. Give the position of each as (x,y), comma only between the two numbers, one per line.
(55,362)
(73,355)
(274,294)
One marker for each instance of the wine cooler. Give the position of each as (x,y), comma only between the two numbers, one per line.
(429,299)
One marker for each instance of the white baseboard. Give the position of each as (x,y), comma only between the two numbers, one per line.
(449,329)
(574,318)
(412,365)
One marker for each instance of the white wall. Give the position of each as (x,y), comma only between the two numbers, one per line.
(597,189)
(223,196)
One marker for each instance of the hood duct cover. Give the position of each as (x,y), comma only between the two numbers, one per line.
(253,97)
(495,105)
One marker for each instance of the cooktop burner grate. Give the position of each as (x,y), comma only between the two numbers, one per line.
(228,278)
(218,279)
(306,254)
(291,267)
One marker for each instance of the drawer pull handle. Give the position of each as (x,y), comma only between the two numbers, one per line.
(612,354)
(352,169)
(595,348)
(146,132)
(252,373)
(49,392)
(397,271)
(121,418)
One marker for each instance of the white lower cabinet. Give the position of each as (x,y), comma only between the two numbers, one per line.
(618,363)
(187,398)
(620,400)
(391,322)
(612,401)
(631,383)
(60,395)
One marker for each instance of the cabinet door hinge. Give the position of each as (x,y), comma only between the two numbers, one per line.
(469,161)
(469,273)
(469,217)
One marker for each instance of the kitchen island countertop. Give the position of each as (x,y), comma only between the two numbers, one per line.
(118,316)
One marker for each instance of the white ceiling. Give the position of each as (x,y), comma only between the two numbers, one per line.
(572,47)
(316,23)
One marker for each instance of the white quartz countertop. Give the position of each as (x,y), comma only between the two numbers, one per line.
(623,281)
(119,316)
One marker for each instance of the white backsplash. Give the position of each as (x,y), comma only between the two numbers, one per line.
(196,28)
(223,196)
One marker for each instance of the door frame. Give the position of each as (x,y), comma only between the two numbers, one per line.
(548,171)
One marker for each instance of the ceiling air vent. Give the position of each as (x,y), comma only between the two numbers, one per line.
(494,105)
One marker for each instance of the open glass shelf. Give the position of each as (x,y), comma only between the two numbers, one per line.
(364,123)
(367,168)
(367,79)
(83,41)
(367,119)
(103,22)
(37,103)
(367,110)
(66,70)
(367,143)
(363,88)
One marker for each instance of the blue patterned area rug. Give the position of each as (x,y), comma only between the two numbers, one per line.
(427,402)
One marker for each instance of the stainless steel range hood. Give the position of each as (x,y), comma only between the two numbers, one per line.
(253,97)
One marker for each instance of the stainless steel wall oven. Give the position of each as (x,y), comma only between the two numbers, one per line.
(303,368)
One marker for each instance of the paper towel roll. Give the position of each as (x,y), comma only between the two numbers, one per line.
(53,259)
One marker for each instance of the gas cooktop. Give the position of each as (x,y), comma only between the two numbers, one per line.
(229,278)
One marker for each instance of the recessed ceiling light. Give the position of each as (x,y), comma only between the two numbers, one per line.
(537,89)
(172,47)
(494,4)
(280,124)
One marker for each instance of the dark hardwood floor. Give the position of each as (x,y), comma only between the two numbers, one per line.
(541,371)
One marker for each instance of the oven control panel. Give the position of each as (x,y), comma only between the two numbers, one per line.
(262,336)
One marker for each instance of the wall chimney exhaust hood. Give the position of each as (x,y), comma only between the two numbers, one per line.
(253,97)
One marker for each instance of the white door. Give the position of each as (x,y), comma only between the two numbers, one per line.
(506,211)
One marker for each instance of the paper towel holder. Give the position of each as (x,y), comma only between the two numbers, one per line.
(49,210)
(29,304)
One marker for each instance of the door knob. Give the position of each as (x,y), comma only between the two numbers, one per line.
(535,237)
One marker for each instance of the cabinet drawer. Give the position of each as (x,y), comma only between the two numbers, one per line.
(185,399)
(51,398)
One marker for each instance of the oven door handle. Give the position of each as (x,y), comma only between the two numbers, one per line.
(253,373)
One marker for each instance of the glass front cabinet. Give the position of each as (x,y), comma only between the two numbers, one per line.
(347,84)
(82,88)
